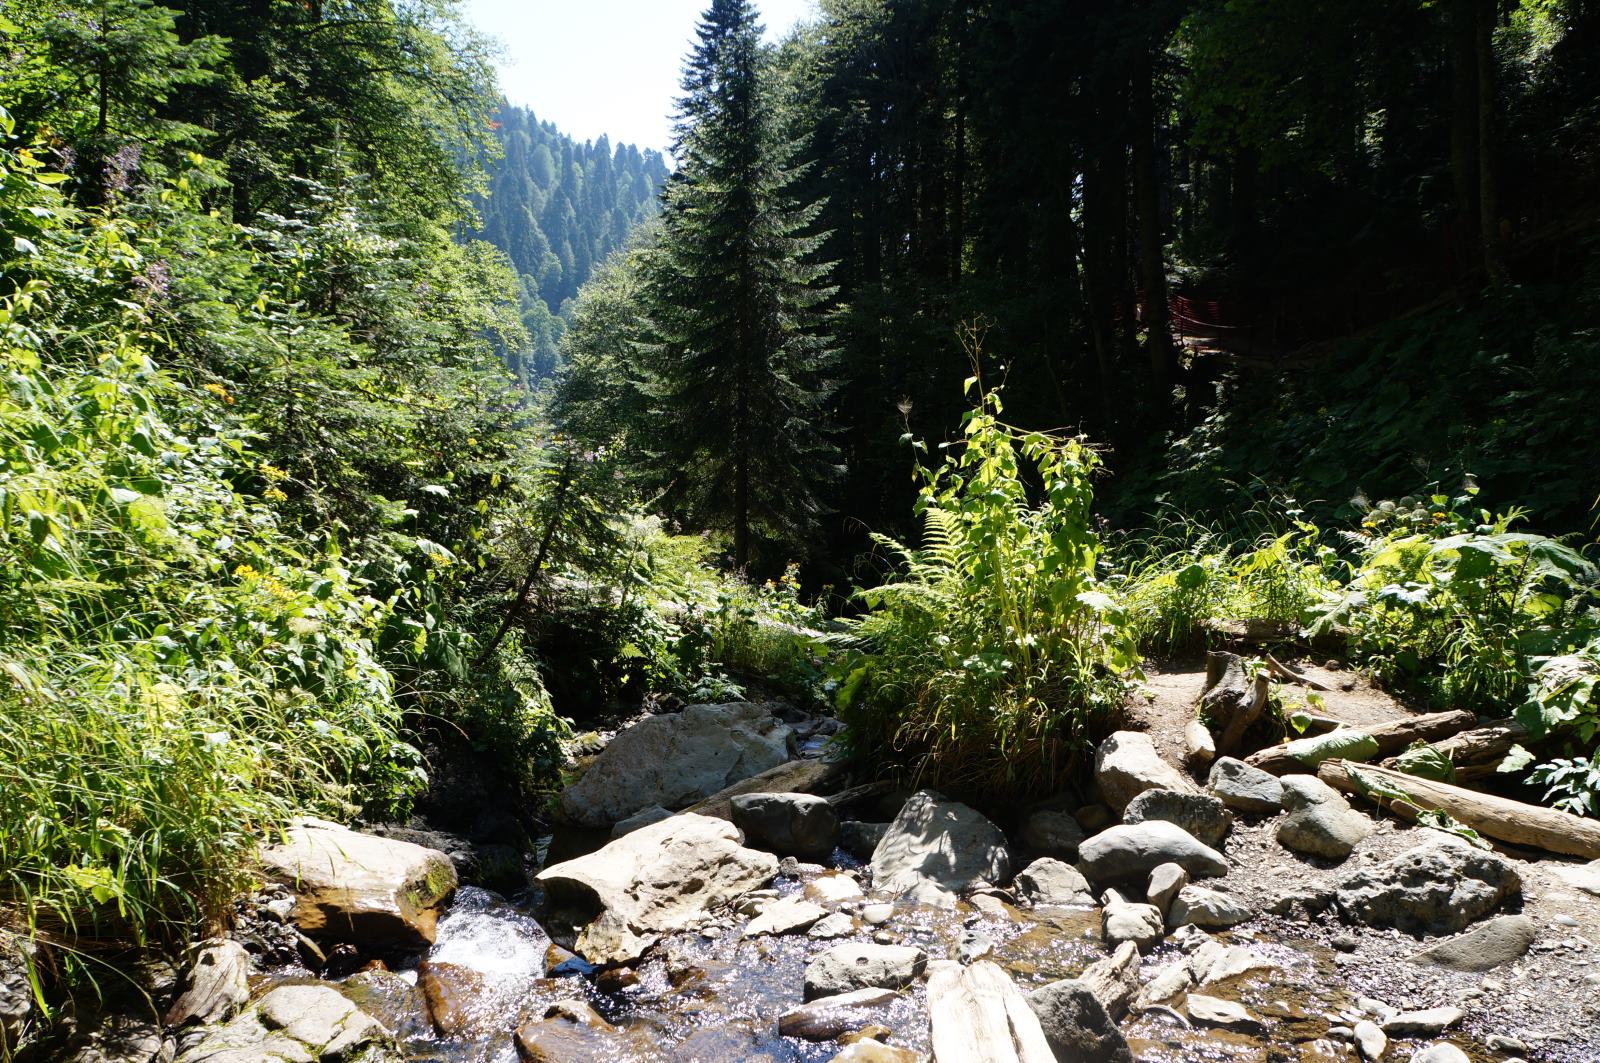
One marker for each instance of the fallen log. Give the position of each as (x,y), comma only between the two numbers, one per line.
(1391,737)
(1500,818)
(978,1015)
(1490,742)
(860,793)
(791,777)
(1283,671)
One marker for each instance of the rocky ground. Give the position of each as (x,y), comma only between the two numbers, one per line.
(1178,912)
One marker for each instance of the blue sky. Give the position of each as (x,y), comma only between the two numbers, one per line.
(604,66)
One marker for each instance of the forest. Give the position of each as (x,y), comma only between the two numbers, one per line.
(1010,460)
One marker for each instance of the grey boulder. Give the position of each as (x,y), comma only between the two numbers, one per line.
(801,825)
(1051,882)
(1127,764)
(1202,815)
(936,848)
(853,965)
(1164,883)
(1244,787)
(1124,921)
(1498,941)
(1077,1025)
(1052,832)
(1320,821)
(1439,887)
(1440,1052)
(1133,850)
(1207,909)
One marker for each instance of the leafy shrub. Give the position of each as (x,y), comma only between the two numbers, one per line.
(987,665)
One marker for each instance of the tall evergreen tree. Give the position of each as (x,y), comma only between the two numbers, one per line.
(737,330)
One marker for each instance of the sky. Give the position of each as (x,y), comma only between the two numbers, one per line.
(604,66)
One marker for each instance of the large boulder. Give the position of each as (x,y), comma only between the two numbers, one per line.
(1207,909)
(1244,787)
(1051,882)
(1077,1025)
(376,893)
(1127,764)
(675,760)
(1202,815)
(936,848)
(658,879)
(1438,887)
(296,1024)
(1122,921)
(1498,941)
(802,825)
(1133,850)
(1320,821)
(855,965)
(1052,832)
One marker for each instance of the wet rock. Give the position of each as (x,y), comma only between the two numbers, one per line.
(977,1013)
(861,839)
(296,1024)
(1127,764)
(1164,883)
(1320,821)
(642,818)
(1224,1014)
(1051,832)
(660,878)
(451,993)
(1429,1022)
(1498,941)
(936,848)
(577,1011)
(876,914)
(1077,1024)
(1441,1052)
(1050,882)
(990,905)
(1370,1040)
(802,825)
(1114,979)
(973,946)
(1439,887)
(788,916)
(827,1018)
(376,893)
(675,760)
(560,962)
(392,1000)
(1122,921)
(1245,788)
(835,887)
(1168,982)
(1214,962)
(1133,850)
(560,1040)
(837,925)
(217,985)
(1206,908)
(859,966)
(1202,815)
(876,1052)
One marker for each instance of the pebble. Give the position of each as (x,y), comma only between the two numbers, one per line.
(1346,942)
(877,914)
(1341,1033)
(1564,920)
(1371,1042)
(884,937)
(1498,1042)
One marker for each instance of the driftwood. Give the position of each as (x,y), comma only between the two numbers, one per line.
(792,777)
(1500,818)
(1284,672)
(1232,700)
(1200,748)
(978,1013)
(1392,737)
(1114,979)
(1482,745)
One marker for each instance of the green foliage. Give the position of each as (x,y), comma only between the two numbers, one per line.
(1572,784)
(989,663)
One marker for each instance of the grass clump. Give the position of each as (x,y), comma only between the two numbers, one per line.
(988,664)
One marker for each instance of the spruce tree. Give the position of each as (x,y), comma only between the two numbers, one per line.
(736,305)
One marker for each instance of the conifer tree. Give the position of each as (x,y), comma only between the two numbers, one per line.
(737,326)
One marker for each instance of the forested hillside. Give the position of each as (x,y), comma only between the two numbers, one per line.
(558,208)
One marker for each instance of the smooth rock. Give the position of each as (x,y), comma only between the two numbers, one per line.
(788,916)
(295,1024)
(1226,1014)
(1051,832)
(1208,909)
(1202,815)
(837,925)
(1438,887)
(834,887)
(1122,920)
(1244,787)
(1498,941)
(875,1052)
(1320,821)
(1440,1052)
(1127,764)
(973,946)
(1371,1041)
(859,966)
(1164,883)
(452,993)
(676,759)
(876,914)
(1077,1025)
(1214,962)
(1167,983)
(368,891)
(936,848)
(1429,1022)
(642,818)
(661,878)
(1133,850)
(802,825)
(1048,881)
(1585,877)
(861,839)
